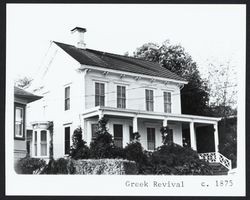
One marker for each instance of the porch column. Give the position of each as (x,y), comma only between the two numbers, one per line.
(135,124)
(38,142)
(165,122)
(192,136)
(33,143)
(100,115)
(216,137)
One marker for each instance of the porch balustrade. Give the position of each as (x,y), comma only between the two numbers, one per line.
(216,157)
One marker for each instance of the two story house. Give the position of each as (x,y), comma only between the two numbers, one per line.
(79,86)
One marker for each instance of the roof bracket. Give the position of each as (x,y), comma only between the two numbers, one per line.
(166,82)
(88,70)
(137,78)
(122,75)
(105,73)
(181,86)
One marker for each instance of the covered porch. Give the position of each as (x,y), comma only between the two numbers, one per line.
(139,120)
(123,122)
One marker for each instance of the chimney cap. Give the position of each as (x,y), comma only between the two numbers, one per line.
(80,29)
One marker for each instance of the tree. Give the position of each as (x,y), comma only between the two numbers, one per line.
(102,145)
(51,131)
(165,132)
(194,95)
(23,82)
(222,84)
(79,149)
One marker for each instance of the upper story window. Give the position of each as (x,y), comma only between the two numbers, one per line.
(99,94)
(19,122)
(121,96)
(167,102)
(67,98)
(149,100)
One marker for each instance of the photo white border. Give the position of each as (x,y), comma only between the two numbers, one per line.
(115,185)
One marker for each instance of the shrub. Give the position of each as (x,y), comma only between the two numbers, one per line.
(102,145)
(79,149)
(28,165)
(134,151)
(59,166)
(104,166)
(117,152)
(165,133)
(175,159)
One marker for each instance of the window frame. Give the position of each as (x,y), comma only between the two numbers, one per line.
(66,98)
(149,99)
(35,144)
(22,107)
(121,100)
(149,132)
(99,96)
(68,140)
(118,139)
(44,143)
(93,135)
(166,102)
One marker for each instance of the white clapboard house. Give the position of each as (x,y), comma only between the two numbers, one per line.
(79,86)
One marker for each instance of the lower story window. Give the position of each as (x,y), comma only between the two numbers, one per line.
(118,132)
(130,133)
(66,140)
(35,143)
(44,143)
(94,129)
(151,138)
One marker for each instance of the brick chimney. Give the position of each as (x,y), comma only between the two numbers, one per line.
(78,37)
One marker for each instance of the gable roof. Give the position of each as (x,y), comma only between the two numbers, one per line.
(21,93)
(118,62)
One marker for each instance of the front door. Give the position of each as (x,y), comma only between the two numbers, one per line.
(151,138)
(118,132)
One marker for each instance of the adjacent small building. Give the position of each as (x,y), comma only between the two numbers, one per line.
(21,99)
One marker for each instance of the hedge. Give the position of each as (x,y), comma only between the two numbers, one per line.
(29,165)
(104,166)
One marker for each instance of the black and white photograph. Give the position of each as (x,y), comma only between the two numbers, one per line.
(125,99)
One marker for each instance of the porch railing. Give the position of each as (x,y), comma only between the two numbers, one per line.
(216,157)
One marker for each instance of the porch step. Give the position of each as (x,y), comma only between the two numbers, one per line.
(218,169)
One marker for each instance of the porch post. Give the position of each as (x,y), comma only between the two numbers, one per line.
(39,142)
(33,143)
(135,125)
(192,136)
(216,137)
(165,122)
(100,115)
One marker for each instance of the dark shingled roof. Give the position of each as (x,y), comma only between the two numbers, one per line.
(118,62)
(18,92)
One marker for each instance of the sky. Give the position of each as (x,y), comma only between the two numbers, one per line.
(207,32)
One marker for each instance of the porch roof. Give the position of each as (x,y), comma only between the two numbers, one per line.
(100,110)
